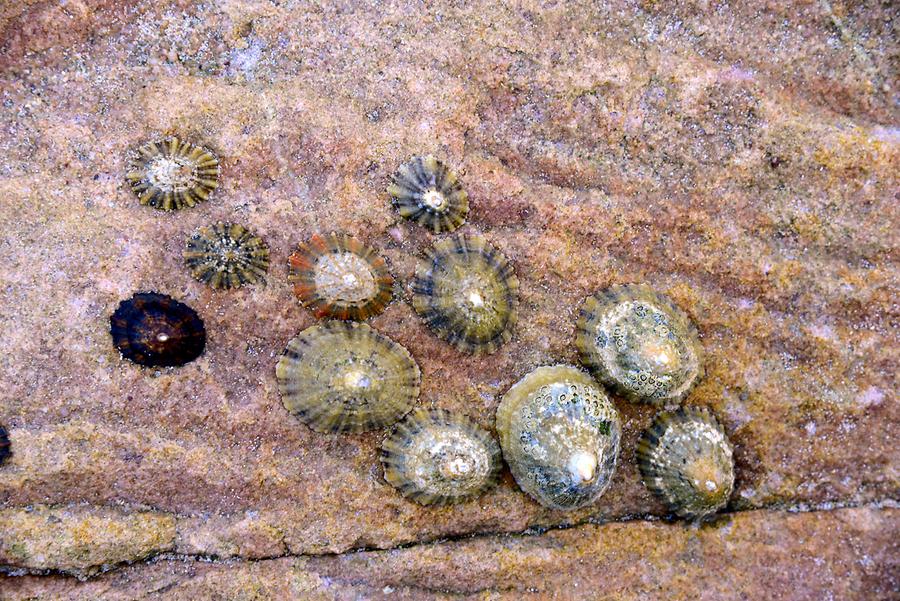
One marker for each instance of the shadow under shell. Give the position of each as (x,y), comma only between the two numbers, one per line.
(156,330)
(4,446)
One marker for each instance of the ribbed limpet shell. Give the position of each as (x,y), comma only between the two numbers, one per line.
(436,457)
(640,344)
(685,458)
(156,330)
(560,436)
(170,174)
(467,292)
(338,276)
(428,192)
(4,445)
(346,377)
(226,255)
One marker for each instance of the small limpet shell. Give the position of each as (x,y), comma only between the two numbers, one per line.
(345,377)
(686,460)
(560,436)
(170,174)
(4,445)
(338,276)
(640,344)
(156,330)
(428,192)
(226,255)
(467,292)
(436,457)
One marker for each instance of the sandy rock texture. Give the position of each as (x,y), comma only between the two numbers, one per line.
(741,157)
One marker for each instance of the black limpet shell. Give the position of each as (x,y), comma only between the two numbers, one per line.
(170,174)
(467,293)
(685,458)
(426,191)
(156,330)
(437,457)
(226,255)
(5,453)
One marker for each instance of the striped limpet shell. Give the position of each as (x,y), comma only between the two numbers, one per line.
(426,191)
(338,276)
(560,436)
(226,255)
(156,330)
(341,376)
(436,457)
(685,458)
(467,293)
(4,445)
(170,174)
(640,343)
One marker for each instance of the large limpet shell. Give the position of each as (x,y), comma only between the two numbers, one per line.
(156,330)
(640,344)
(560,436)
(467,292)
(170,174)
(4,445)
(338,276)
(686,460)
(436,457)
(226,255)
(346,377)
(428,192)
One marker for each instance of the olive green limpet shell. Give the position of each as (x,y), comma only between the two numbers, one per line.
(467,293)
(171,174)
(560,436)
(436,457)
(426,191)
(686,460)
(226,255)
(640,344)
(345,377)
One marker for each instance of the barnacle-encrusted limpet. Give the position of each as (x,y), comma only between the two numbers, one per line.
(4,445)
(345,377)
(639,343)
(171,174)
(226,255)
(429,193)
(339,276)
(156,330)
(686,459)
(467,292)
(436,457)
(560,436)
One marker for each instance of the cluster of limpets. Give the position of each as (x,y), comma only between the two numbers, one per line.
(558,430)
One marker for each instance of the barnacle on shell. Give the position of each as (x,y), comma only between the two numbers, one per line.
(170,174)
(345,377)
(226,255)
(640,344)
(467,293)
(4,445)
(156,330)
(429,193)
(436,457)
(338,276)
(560,436)
(686,460)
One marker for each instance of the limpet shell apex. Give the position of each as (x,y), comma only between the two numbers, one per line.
(640,344)
(560,436)
(170,174)
(436,457)
(226,255)
(426,191)
(345,377)
(685,458)
(156,330)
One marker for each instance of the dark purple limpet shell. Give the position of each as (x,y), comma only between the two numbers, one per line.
(156,330)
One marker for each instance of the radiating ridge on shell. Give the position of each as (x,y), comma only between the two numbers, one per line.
(170,174)
(156,330)
(226,255)
(426,191)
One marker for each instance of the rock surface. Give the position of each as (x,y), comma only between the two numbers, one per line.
(742,159)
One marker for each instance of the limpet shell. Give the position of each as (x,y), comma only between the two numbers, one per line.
(467,293)
(338,276)
(560,436)
(156,330)
(346,377)
(640,343)
(170,174)
(685,458)
(436,457)
(4,445)
(426,191)
(226,255)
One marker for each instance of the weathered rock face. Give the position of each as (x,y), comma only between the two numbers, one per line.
(743,160)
